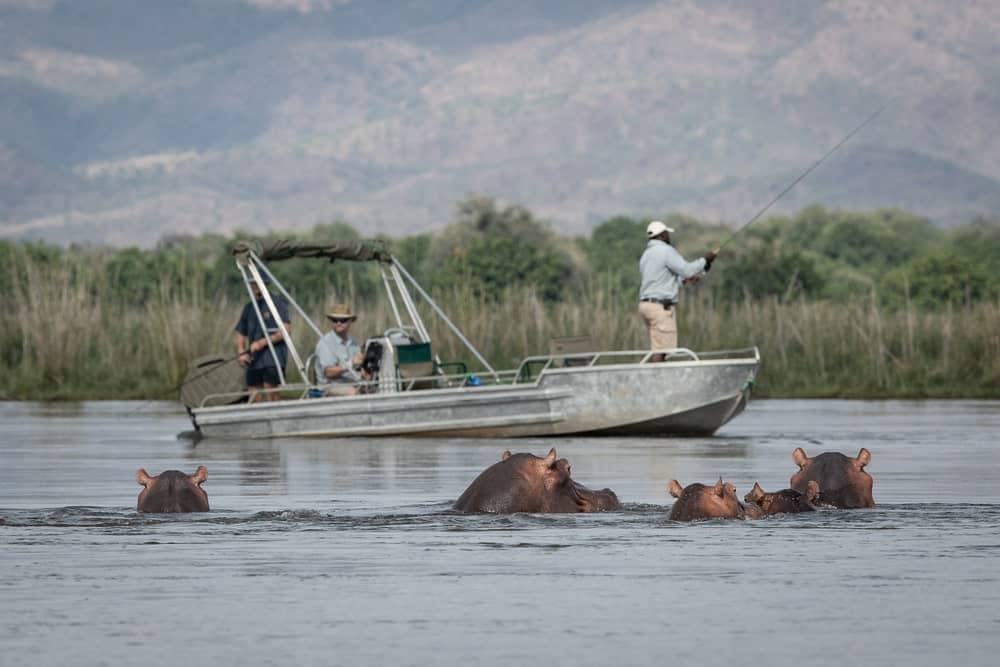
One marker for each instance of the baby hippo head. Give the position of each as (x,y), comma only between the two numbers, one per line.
(172,491)
(698,501)
(785,501)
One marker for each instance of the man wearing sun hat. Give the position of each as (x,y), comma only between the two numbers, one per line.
(338,357)
(664,271)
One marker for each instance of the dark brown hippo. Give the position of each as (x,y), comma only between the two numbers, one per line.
(785,501)
(842,480)
(697,501)
(527,483)
(172,491)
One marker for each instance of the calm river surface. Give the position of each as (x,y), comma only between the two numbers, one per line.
(344,553)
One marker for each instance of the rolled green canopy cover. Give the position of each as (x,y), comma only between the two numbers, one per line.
(364,250)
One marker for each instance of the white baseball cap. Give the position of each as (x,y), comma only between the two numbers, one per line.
(656,227)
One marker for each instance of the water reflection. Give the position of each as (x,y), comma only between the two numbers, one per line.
(260,464)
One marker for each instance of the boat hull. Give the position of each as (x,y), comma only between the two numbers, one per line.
(651,399)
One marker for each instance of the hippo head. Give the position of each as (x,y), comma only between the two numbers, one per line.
(528,483)
(172,491)
(698,501)
(843,481)
(784,501)
(604,500)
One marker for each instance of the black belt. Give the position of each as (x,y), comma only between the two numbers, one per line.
(663,302)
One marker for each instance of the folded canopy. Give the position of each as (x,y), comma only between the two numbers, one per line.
(363,250)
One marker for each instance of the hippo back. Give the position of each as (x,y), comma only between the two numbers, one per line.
(499,490)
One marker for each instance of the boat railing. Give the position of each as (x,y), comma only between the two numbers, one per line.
(418,383)
(532,368)
(528,372)
(738,353)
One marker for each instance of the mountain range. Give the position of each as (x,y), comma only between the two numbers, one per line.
(122,122)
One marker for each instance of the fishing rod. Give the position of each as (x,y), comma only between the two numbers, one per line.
(803,175)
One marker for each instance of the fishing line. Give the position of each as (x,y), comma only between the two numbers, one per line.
(804,174)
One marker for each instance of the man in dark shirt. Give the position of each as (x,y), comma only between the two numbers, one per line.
(251,345)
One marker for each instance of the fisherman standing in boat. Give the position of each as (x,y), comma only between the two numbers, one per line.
(338,357)
(252,347)
(664,271)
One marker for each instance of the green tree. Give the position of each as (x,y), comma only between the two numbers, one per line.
(132,276)
(876,239)
(490,248)
(318,283)
(978,242)
(935,279)
(768,271)
(613,252)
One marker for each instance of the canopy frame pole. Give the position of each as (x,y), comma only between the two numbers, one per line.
(411,307)
(286,337)
(284,292)
(392,297)
(455,330)
(260,318)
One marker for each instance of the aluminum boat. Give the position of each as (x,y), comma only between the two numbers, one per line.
(572,390)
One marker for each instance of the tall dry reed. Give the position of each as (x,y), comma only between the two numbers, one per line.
(65,341)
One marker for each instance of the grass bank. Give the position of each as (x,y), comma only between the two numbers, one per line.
(64,340)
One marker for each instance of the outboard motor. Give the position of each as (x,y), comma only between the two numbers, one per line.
(380,365)
(373,358)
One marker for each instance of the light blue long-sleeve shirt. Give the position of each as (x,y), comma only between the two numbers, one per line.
(332,351)
(663,269)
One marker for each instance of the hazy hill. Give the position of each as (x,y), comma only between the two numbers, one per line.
(121,121)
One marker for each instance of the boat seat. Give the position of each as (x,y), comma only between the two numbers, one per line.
(582,347)
(414,360)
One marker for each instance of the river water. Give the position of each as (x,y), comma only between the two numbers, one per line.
(342,552)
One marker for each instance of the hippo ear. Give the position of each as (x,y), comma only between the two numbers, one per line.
(800,458)
(142,477)
(812,491)
(505,455)
(675,489)
(550,459)
(864,458)
(200,475)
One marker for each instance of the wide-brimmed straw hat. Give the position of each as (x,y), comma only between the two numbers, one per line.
(341,311)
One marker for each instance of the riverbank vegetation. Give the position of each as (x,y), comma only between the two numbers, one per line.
(842,304)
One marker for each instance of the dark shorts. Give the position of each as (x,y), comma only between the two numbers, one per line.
(261,376)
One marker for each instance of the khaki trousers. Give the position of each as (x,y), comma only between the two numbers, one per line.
(661,324)
(340,389)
